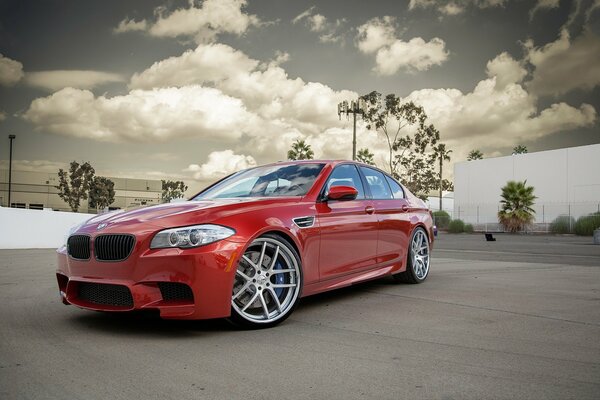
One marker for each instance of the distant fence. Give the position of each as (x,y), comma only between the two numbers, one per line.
(484,217)
(36,229)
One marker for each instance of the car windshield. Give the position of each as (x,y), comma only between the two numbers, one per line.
(268,181)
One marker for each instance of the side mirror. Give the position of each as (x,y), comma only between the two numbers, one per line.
(342,193)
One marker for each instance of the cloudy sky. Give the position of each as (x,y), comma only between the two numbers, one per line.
(197,89)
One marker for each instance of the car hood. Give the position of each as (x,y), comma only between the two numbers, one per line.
(179,213)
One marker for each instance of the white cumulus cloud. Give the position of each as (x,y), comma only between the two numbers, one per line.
(565,64)
(154,115)
(11,71)
(378,35)
(506,70)
(202,22)
(207,63)
(220,164)
(490,115)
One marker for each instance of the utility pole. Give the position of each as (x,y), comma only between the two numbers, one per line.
(355,107)
(10,137)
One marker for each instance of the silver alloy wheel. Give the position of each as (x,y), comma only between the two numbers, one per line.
(420,254)
(267,281)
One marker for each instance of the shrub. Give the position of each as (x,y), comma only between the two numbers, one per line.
(586,225)
(456,226)
(469,228)
(442,219)
(562,224)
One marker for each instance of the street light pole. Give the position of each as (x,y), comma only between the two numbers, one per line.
(10,137)
(355,107)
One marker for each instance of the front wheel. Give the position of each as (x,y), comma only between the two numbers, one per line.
(417,265)
(267,283)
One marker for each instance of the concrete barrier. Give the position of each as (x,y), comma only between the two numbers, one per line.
(36,229)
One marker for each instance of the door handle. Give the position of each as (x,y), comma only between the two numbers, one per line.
(404,208)
(369,209)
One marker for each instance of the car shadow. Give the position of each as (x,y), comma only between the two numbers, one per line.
(148,323)
(345,293)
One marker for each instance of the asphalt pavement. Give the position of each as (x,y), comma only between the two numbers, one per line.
(518,318)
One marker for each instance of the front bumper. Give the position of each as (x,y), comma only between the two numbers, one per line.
(208,271)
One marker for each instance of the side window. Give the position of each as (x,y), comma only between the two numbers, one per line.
(346,175)
(376,180)
(397,190)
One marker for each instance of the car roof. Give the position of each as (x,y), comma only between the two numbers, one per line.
(325,161)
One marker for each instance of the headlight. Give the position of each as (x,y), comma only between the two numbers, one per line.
(190,236)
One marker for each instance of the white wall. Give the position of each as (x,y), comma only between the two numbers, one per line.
(36,229)
(447,204)
(566,181)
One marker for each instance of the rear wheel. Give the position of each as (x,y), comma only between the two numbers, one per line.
(417,265)
(267,283)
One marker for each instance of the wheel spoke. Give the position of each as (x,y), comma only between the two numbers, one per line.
(282,271)
(274,296)
(242,290)
(248,260)
(274,258)
(264,305)
(243,275)
(262,255)
(252,300)
(283,285)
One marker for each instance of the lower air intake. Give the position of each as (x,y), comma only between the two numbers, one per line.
(105,294)
(175,291)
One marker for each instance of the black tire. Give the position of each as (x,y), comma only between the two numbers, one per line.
(286,254)
(411,275)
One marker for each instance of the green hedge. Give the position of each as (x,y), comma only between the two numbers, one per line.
(442,219)
(456,226)
(586,225)
(562,224)
(469,228)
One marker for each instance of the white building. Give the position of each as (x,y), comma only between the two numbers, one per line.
(37,190)
(566,181)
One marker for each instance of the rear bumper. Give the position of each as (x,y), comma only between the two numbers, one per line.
(208,271)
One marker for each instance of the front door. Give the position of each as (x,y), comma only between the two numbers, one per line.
(348,228)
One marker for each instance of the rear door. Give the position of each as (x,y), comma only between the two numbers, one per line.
(392,212)
(348,227)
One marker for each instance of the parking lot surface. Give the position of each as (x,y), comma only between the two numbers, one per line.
(518,318)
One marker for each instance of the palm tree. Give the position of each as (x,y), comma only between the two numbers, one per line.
(517,200)
(365,156)
(441,154)
(300,151)
(475,155)
(520,149)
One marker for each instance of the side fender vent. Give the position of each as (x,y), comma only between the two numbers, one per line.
(304,222)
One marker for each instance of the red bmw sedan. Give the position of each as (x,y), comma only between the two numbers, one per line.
(251,245)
